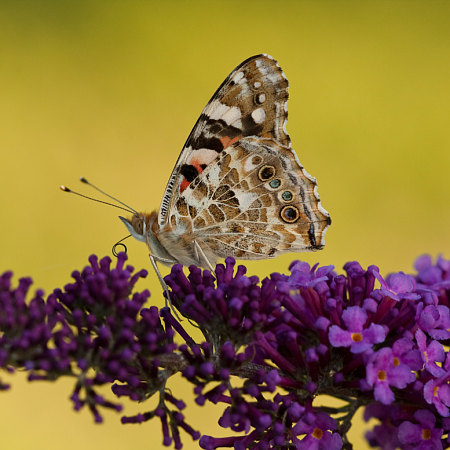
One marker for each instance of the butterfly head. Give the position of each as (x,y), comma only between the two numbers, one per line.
(140,224)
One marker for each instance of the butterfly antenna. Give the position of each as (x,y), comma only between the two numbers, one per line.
(66,189)
(83,180)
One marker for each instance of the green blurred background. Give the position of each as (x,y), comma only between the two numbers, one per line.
(110,91)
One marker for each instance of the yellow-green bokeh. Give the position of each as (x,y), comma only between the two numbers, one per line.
(110,90)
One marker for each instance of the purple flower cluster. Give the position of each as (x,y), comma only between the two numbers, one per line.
(270,349)
(316,332)
(96,330)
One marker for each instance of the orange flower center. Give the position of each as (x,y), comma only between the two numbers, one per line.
(396,361)
(381,375)
(317,433)
(356,337)
(426,434)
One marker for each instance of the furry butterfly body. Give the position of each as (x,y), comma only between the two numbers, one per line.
(237,188)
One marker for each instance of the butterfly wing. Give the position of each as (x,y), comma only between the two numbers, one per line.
(256,201)
(252,101)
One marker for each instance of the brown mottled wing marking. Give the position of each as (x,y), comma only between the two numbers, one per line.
(252,101)
(256,201)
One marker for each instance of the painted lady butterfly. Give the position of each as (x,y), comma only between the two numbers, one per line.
(237,188)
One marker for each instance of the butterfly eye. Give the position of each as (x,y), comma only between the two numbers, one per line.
(287,196)
(266,173)
(290,214)
(138,227)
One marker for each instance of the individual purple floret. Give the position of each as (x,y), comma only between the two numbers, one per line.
(356,336)
(422,433)
(384,370)
(269,349)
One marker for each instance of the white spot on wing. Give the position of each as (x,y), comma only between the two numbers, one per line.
(257,84)
(232,116)
(249,165)
(202,156)
(273,77)
(238,77)
(262,98)
(229,114)
(216,110)
(259,115)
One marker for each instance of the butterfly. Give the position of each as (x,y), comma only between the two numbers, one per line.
(237,188)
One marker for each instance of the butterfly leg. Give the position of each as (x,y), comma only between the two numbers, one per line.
(200,253)
(168,301)
(153,260)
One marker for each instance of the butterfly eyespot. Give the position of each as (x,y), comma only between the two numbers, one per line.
(290,214)
(287,196)
(257,84)
(256,160)
(266,173)
(275,183)
(259,99)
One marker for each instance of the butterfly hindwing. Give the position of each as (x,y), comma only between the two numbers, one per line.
(252,101)
(256,201)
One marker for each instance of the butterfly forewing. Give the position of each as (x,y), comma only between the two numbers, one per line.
(252,101)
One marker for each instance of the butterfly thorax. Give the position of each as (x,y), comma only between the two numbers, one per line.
(169,244)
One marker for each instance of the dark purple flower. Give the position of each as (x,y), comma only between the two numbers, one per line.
(405,352)
(320,432)
(384,435)
(421,435)
(266,349)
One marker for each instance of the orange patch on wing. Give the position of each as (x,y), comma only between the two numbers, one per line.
(183,185)
(226,141)
(196,164)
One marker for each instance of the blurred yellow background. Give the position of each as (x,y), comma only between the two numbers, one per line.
(110,91)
